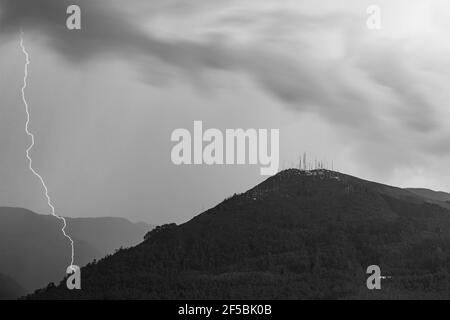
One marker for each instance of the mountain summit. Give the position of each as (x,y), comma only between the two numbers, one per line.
(297,235)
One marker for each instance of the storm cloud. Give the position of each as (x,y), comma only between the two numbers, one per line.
(303,83)
(383,92)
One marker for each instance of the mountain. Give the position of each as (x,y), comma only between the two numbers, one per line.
(431,194)
(34,252)
(439,198)
(297,235)
(105,235)
(9,288)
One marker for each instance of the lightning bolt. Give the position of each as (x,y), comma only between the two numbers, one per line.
(30,160)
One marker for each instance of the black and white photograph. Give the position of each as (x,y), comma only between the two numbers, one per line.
(223,155)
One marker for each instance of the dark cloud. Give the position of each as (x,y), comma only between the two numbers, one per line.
(304,83)
(108,32)
(387,64)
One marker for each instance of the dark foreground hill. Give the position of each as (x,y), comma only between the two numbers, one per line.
(297,235)
(34,252)
(9,288)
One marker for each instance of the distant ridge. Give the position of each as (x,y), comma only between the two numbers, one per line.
(431,194)
(437,197)
(9,288)
(33,252)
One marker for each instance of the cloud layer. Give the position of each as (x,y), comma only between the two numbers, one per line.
(382,90)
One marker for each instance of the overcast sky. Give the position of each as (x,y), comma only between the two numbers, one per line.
(105,100)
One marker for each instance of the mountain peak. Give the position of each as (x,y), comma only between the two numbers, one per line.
(297,235)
